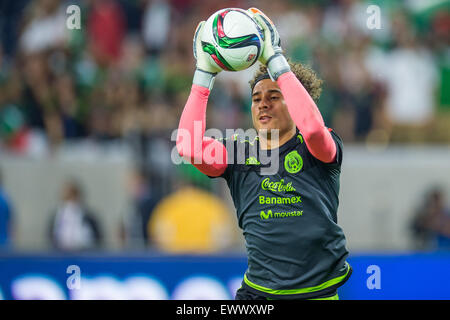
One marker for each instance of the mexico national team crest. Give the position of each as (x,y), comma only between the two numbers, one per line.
(293,162)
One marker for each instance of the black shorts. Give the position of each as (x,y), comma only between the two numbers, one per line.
(243,293)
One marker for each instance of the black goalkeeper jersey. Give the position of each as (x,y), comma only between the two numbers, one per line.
(294,245)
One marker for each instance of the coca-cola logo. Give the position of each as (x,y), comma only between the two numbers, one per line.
(278,186)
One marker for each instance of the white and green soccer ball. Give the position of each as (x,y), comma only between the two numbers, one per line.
(232,39)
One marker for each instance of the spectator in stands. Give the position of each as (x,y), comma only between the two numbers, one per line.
(106,30)
(144,198)
(410,101)
(73,226)
(6,215)
(156,25)
(44,26)
(431,224)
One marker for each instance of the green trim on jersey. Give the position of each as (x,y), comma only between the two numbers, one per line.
(319,287)
(335,297)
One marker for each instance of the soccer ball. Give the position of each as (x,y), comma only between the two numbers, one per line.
(232,39)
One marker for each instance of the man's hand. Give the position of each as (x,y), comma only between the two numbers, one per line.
(271,37)
(272,55)
(205,71)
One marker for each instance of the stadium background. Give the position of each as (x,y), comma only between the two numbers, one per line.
(95,108)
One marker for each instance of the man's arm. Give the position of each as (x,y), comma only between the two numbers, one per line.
(307,118)
(301,106)
(191,141)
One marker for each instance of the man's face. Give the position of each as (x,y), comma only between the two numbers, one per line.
(269,111)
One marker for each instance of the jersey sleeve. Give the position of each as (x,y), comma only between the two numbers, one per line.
(205,153)
(307,118)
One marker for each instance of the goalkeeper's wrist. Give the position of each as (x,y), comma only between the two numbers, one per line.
(277,65)
(204,78)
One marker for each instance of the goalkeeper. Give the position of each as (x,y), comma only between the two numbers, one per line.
(295,248)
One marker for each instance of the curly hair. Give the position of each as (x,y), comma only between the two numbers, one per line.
(307,77)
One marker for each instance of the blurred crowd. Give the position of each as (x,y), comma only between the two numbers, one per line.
(430,226)
(126,72)
(124,75)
